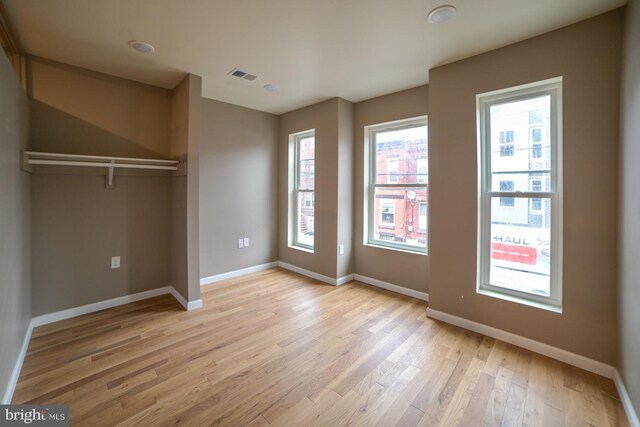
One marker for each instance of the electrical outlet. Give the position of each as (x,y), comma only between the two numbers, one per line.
(246,242)
(341,249)
(115,262)
(240,243)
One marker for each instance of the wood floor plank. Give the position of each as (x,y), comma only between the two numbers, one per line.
(277,348)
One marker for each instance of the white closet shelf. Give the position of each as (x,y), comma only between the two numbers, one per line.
(32,158)
(37,158)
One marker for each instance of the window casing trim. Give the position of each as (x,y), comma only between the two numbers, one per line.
(552,88)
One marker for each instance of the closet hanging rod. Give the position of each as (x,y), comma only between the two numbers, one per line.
(42,158)
(99,164)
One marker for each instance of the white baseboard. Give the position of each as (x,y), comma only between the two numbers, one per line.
(632,415)
(344,279)
(536,346)
(223,276)
(391,287)
(15,374)
(190,305)
(314,275)
(194,305)
(97,306)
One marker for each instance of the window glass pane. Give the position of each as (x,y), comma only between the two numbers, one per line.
(398,152)
(305,226)
(515,144)
(401,216)
(521,246)
(306,163)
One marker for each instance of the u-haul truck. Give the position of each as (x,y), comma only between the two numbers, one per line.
(520,248)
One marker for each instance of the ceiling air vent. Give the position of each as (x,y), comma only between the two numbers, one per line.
(242,74)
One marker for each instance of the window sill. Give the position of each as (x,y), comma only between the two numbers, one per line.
(406,251)
(301,248)
(517,300)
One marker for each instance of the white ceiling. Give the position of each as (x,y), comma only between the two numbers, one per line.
(312,49)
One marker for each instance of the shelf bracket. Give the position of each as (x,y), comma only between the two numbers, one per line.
(109,184)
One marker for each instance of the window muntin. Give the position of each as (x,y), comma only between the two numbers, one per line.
(520,220)
(396,187)
(303,191)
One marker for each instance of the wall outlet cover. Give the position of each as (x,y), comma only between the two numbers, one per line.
(240,243)
(246,242)
(115,262)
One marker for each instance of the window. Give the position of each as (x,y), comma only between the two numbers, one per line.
(392,170)
(396,185)
(506,143)
(535,136)
(423,170)
(309,199)
(302,189)
(422,219)
(387,213)
(536,202)
(507,201)
(520,249)
(535,117)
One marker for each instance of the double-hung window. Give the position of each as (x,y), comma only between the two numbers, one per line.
(396,178)
(520,201)
(302,189)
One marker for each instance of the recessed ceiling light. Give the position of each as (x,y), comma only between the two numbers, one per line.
(441,14)
(141,46)
(271,87)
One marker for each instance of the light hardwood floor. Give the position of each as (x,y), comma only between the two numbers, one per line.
(277,348)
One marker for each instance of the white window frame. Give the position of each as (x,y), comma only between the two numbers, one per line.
(295,190)
(552,88)
(370,185)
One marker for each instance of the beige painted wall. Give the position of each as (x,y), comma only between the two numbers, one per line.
(322,117)
(77,224)
(184,134)
(399,268)
(238,195)
(333,124)
(344,192)
(102,114)
(587,55)
(179,146)
(15,275)
(629,239)
(193,187)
